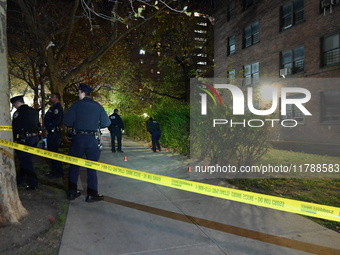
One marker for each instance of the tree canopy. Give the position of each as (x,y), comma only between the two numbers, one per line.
(58,41)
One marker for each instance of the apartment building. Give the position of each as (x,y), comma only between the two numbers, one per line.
(256,39)
(197,39)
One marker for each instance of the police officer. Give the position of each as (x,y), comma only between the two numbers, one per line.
(155,131)
(53,121)
(115,129)
(26,127)
(86,117)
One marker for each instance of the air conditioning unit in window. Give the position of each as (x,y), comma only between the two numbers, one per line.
(327,3)
(285,71)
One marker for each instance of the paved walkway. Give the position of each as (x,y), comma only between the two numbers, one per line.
(147,219)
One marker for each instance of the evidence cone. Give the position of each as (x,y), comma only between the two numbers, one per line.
(125,158)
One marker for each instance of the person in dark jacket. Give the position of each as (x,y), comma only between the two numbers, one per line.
(86,117)
(53,125)
(155,131)
(26,128)
(115,129)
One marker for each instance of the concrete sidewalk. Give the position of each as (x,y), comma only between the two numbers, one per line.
(144,218)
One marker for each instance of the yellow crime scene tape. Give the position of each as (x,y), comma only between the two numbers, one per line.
(6,128)
(277,203)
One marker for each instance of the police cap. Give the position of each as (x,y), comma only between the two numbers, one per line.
(17,98)
(84,88)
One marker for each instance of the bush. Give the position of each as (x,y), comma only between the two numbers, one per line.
(224,144)
(135,127)
(175,125)
(174,122)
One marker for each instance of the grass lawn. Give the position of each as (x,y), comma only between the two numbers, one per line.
(316,190)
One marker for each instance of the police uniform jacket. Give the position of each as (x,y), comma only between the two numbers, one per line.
(116,121)
(153,126)
(54,117)
(86,115)
(25,121)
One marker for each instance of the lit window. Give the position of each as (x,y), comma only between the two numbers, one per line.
(200,39)
(203,55)
(231,74)
(200,31)
(197,14)
(231,45)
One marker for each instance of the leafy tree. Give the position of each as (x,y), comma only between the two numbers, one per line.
(67,38)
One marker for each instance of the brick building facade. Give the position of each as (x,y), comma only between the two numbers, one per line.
(277,39)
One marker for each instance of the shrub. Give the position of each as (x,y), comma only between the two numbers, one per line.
(236,145)
(174,122)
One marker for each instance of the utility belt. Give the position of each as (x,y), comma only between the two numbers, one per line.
(23,135)
(57,129)
(31,134)
(82,132)
(97,135)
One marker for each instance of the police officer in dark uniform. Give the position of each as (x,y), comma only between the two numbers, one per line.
(26,127)
(115,129)
(155,131)
(53,121)
(86,117)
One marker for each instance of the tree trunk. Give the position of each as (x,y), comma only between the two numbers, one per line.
(11,209)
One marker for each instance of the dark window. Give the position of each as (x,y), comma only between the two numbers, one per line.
(252,73)
(330,50)
(292,13)
(231,45)
(251,34)
(231,10)
(330,106)
(247,3)
(293,112)
(293,59)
